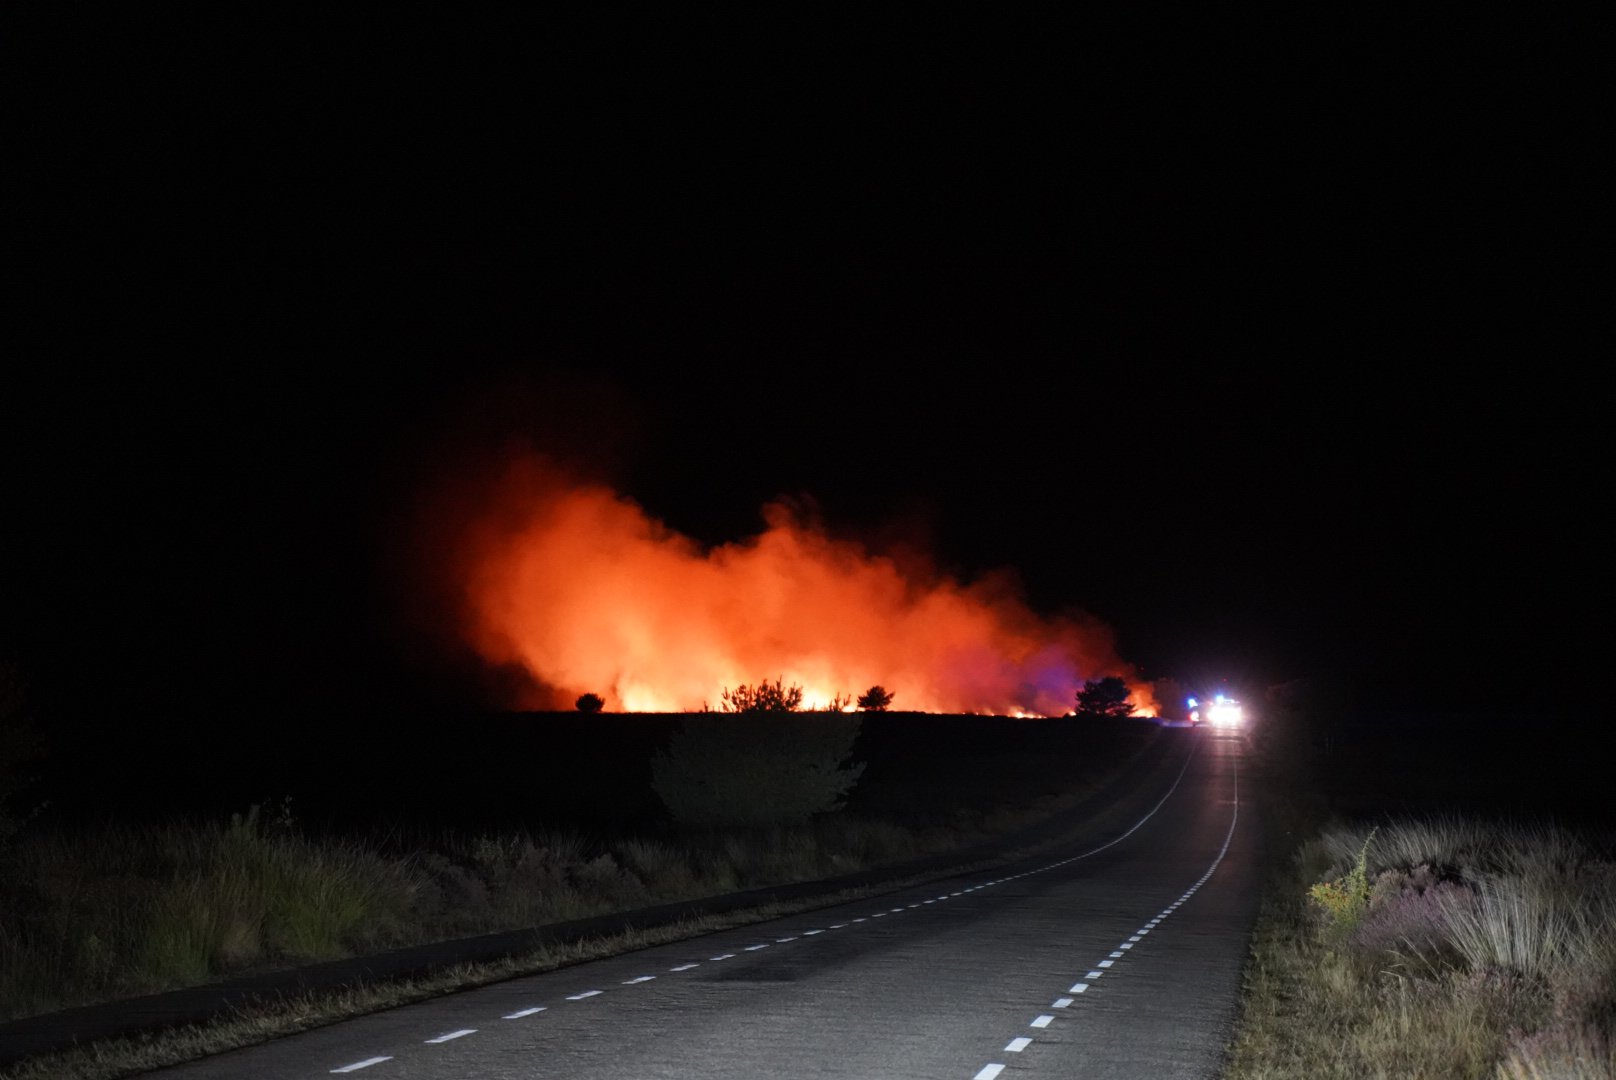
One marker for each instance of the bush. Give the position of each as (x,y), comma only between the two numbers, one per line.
(1345,899)
(590,703)
(875,699)
(765,697)
(740,770)
(1104,697)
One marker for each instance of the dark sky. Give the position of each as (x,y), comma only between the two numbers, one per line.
(1274,346)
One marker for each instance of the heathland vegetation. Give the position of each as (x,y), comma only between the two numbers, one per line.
(1473,940)
(100,910)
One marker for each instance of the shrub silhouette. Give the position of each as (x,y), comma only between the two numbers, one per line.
(590,703)
(749,770)
(1104,697)
(875,699)
(765,697)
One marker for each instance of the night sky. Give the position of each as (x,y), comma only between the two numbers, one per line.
(1272,346)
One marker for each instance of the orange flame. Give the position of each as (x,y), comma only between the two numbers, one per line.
(579,586)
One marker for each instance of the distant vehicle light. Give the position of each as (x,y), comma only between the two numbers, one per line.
(1226,714)
(1220,699)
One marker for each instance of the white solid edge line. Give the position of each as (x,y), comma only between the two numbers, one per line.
(368,1062)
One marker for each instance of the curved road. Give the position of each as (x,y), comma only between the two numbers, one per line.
(1119,958)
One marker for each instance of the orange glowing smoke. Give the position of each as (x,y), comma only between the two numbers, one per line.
(579,586)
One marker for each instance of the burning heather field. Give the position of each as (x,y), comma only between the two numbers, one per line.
(585,591)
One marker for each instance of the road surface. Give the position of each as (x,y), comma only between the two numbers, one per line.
(1119,957)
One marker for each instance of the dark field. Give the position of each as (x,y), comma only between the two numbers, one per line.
(515,770)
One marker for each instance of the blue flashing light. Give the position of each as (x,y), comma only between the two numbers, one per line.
(1193,703)
(1220,699)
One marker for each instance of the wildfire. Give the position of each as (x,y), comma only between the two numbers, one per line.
(582,588)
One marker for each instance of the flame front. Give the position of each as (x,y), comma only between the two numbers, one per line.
(578,585)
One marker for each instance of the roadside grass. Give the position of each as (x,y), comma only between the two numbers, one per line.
(94,915)
(1477,949)
(696,867)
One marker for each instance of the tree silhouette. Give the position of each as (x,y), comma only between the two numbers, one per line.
(590,703)
(765,697)
(875,699)
(1104,697)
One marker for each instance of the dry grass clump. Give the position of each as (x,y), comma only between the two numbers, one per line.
(1436,948)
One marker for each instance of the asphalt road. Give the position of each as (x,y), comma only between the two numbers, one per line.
(1118,958)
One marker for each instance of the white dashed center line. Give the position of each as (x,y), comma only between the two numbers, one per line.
(585,994)
(755,948)
(686,967)
(462,1033)
(1079,988)
(1060,1003)
(726,956)
(1042,1022)
(368,1062)
(524,1012)
(988,1072)
(1016,1046)
(640,979)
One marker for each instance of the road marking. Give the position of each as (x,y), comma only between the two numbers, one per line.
(462,1033)
(1042,1022)
(1116,955)
(783,940)
(1126,944)
(1094,975)
(642,978)
(726,956)
(1061,1003)
(880,915)
(1106,963)
(1136,937)
(988,1072)
(1078,988)
(811,933)
(518,1014)
(368,1062)
(1016,1046)
(861,918)
(686,967)
(585,994)
(755,948)
(837,926)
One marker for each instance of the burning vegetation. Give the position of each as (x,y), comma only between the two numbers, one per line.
(588,594)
